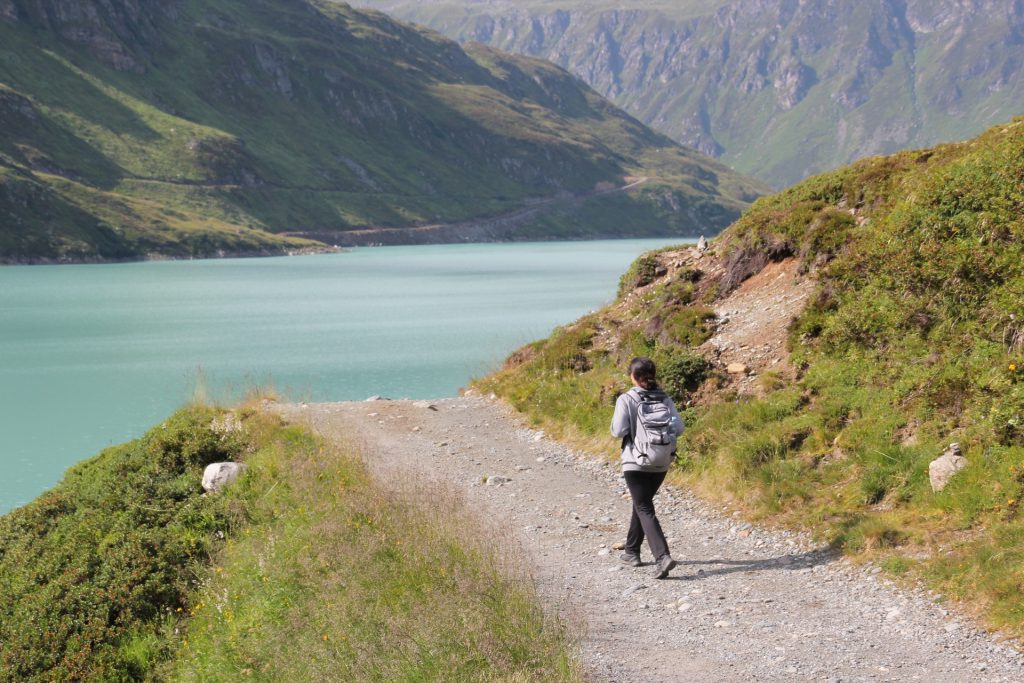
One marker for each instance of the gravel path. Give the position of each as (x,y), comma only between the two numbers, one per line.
(745,604)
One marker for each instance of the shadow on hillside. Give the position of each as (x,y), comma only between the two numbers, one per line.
(718,567)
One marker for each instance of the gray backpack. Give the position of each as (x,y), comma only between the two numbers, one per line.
(654,436)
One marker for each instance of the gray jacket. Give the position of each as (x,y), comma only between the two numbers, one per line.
(622,426)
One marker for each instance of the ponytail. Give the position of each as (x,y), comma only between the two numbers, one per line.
(644,372)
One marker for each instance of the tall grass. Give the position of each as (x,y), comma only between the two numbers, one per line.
(337,577)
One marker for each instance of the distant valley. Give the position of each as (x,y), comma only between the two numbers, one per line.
(777,89)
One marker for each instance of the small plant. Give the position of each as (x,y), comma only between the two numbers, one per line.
(641,273)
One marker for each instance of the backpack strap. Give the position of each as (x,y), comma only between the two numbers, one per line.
(628,438)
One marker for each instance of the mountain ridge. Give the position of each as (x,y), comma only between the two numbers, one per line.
(776,89)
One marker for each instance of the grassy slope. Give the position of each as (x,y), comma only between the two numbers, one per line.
(247,118)
(303,570)
(915,339)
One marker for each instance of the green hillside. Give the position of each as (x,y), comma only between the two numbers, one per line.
(136,128)
(913,338)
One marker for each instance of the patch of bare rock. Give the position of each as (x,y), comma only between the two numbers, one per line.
(752,323)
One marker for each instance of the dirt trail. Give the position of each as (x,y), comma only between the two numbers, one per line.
(745,604)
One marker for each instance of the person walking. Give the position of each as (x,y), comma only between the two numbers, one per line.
(647,421)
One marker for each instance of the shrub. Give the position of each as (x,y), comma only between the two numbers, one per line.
(681,373)
(641,273)
(90,569)
(687,327)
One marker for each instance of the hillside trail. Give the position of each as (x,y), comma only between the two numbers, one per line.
(476,229)
(745,604)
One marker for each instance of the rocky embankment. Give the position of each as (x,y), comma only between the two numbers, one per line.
(746,603)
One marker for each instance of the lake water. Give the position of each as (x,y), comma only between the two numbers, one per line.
(95,355)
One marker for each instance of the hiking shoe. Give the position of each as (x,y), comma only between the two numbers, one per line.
(664,566)
(631,558)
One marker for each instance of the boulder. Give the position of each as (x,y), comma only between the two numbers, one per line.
(702,244)
(497,481)
(217,475)
(942,469)
(737,369)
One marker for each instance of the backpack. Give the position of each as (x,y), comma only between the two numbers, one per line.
(654,438)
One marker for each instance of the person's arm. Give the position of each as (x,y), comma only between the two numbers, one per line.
(620,420)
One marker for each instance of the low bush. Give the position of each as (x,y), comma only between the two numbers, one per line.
(92,570)
(681,373)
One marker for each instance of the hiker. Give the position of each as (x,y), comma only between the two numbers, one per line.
(648,422)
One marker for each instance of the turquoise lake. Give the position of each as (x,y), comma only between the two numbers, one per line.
(94,355)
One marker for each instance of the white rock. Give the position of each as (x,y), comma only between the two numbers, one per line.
(426,405)
(375,398)
(942,469)
(495,480)
(217,475)
(737,369)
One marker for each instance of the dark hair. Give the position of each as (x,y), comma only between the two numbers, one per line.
(644,372)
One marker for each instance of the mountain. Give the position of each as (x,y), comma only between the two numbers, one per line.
(830,345)
(133,128)
(775,88)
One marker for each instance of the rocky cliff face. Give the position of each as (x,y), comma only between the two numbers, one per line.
(777,88)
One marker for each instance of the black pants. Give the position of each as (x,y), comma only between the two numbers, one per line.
(644,522)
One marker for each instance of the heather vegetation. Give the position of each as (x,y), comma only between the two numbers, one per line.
(913,339)
(304,569)
(94,573)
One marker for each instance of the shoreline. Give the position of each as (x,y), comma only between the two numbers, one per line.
(102,261)
(334,249)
